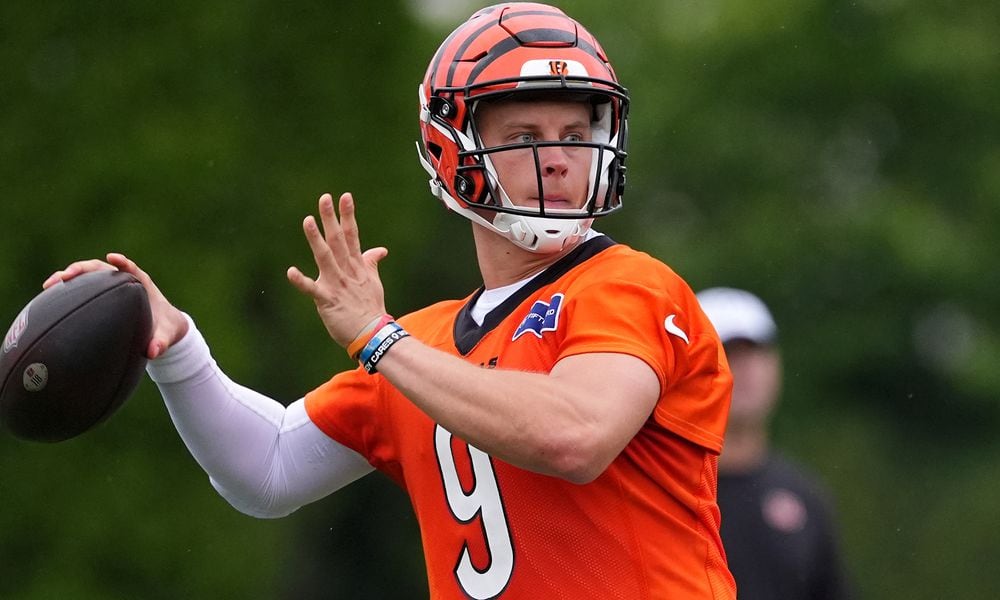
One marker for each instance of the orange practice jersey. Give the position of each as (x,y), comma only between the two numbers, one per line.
(647,528)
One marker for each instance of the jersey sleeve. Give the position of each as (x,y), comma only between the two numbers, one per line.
(662,325)
(349,408)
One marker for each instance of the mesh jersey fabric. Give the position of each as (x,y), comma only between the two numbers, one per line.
(647,528)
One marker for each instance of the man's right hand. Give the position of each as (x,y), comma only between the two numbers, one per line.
(169,324)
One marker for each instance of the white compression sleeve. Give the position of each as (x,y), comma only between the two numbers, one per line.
(265,459)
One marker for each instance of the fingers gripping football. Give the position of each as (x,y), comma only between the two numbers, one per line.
(169,324)
(347,292)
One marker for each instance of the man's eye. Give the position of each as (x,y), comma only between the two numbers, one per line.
(524,138)
(573,137)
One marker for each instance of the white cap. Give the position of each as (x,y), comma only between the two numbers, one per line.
(738,315)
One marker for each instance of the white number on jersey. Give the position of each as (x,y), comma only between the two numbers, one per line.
(483,500)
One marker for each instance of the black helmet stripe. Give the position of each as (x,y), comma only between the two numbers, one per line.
(441,50)
(461,50)
(472,38)
(509,44)
(530,36)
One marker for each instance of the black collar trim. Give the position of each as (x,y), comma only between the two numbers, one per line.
(467,334)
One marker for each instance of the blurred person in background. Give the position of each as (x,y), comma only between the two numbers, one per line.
(778,524)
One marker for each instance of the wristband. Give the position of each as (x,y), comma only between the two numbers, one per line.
(380,343)
(355,347)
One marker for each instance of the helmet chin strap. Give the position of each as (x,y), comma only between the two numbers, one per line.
(538,234)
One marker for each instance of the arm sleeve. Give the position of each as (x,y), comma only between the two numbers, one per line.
(265,459)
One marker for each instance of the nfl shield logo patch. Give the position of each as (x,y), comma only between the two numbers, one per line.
(543,316)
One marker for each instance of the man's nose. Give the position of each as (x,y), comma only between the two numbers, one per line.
(553,161)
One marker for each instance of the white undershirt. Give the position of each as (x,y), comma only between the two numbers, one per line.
(491,299)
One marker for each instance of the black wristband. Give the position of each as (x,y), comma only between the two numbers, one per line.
(383,342)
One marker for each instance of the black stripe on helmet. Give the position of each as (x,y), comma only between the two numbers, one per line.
(474,35)
(511,43)
(531,36)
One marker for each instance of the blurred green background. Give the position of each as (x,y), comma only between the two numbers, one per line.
(840,159)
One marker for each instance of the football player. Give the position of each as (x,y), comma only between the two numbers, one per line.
(557,431)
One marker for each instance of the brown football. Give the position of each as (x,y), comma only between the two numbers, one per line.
(73,356)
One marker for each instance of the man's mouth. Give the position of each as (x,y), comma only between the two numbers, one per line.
(556,202)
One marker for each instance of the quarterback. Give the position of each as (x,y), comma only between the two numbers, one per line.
(557,430)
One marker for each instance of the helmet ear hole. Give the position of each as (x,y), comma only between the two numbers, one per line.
(435,150)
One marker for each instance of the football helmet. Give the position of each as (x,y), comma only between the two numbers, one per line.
(511,52)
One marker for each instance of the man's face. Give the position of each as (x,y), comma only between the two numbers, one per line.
(756,381)
(565,171)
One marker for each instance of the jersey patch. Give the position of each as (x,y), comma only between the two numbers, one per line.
(543,316)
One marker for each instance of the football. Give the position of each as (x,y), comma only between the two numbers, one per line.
(73,356)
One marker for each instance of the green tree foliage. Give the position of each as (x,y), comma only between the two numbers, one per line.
(840,159)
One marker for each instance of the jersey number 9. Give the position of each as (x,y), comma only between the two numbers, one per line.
(484,501)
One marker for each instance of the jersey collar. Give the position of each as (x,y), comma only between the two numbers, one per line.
(467,333)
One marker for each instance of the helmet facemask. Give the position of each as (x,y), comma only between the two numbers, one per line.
(478,192)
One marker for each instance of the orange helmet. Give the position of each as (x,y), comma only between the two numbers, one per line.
(510,51)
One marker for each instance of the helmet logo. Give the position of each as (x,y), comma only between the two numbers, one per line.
(558,67)
(553,67)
